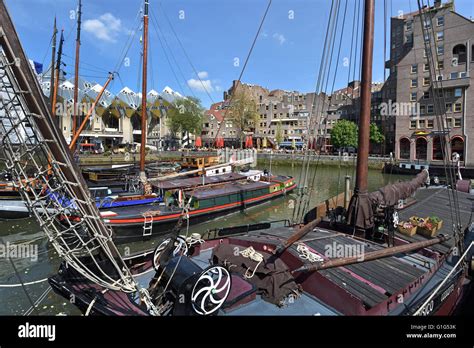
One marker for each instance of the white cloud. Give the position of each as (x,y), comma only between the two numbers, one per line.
(264,34)
(105,28)
(203,74)
(200,85)
(280,38)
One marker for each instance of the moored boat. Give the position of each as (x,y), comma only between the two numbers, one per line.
(194,201)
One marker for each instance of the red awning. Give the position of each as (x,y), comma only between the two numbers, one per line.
(198,142)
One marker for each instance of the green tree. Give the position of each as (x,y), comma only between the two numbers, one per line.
(186,116)
(344,133)
(279,133)
(243,113)
(376,135)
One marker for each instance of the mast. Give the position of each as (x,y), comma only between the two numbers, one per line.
(357,213)
(53,56)
(76,70)
(89,113)
(144,89)
(58,69)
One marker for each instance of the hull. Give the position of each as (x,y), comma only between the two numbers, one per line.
(131,229)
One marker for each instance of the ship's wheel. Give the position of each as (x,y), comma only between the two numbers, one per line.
(180,248)
(211,290)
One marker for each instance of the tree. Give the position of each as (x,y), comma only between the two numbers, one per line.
(279,133)
(344,134)
(376,135)
(185,116)
(243,113)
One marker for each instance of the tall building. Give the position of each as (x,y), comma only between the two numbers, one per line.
(415,101)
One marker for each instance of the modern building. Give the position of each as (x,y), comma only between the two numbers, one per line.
(426,113)
(116,118)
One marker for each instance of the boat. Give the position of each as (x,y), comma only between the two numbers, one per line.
(196,199)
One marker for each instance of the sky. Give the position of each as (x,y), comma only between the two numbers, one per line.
(216,36)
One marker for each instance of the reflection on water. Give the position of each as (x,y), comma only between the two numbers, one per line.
(328,182)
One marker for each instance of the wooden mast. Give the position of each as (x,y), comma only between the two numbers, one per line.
(58,70)
(360,197)
(76,70)
(53,57)
(89,113)
(144,91)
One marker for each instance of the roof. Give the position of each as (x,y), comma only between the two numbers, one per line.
(228,188)
(180,183)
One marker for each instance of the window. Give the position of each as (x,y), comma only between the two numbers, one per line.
(426,95)
(440,21)
(412,124)
(422,109)
(426,81)
(429,108)
(409,38)
(427,23)
(427,37)
(449,122)
(414,68)
(462,74)
(449,107)
(409,25)
(414,83)
(440,64)
(457,92)
(421,124)
(426,67)
(440,35)
(429,123)
(424,53)
(457,107)
(439,77)
(453,75)
(449,93)
(460,53)
(440,49)
(457,122)
(413,96)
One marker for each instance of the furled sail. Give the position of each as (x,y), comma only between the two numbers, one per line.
(361,207)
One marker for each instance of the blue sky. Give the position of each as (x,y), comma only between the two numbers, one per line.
(213,32)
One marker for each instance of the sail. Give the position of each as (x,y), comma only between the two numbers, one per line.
(361,207)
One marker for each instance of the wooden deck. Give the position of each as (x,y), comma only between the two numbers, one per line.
(436,202)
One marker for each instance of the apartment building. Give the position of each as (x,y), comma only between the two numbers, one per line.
(445,38)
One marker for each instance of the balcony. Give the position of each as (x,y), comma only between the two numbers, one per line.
(454,83)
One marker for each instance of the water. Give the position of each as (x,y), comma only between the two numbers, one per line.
(13,301)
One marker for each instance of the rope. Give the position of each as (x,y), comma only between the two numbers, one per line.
(38,301)
(428,300)
(24,284)
(194,238)
(306,254)
(253,255)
